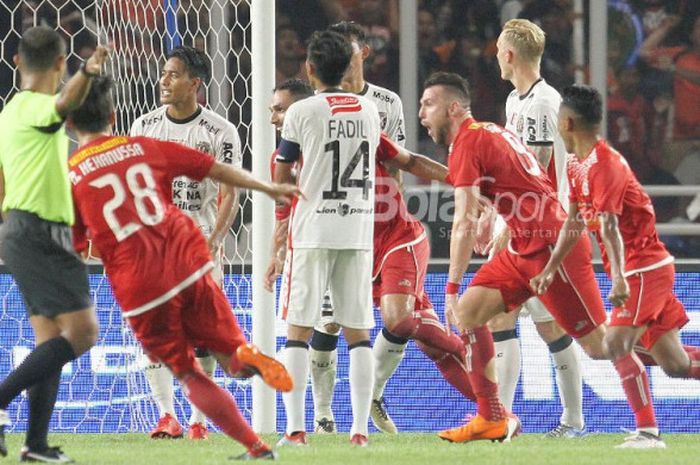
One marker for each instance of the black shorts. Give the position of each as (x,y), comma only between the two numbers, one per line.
(40,255)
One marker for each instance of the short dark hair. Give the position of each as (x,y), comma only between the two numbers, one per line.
(39,47)
(585,101)
(299,88)
(93,115)
(350,30)
(453,82)
(196,61)
(330,54)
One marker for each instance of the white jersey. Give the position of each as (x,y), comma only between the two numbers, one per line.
(335,136)
(205,131)
(390,111)
(533,117)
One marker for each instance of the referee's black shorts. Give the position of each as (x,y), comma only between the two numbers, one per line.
(40,255)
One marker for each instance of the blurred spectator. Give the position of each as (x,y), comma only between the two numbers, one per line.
(307,16)
(554,20)
(474,61)
(290,55)
(629,123)
(683,61)
(429,60)
(380,20)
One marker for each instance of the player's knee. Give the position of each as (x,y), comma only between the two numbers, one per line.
(675,367)
(82,339)
(615,347)
(549,331)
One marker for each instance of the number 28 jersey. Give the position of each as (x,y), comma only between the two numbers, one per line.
(122,193)
(338,134)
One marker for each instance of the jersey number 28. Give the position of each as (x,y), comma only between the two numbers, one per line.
(140,190)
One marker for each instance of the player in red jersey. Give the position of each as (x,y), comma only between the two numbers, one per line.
(157,260)
(489,164)
(401,252)
(606,197)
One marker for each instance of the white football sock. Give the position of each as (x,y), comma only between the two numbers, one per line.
(208,364)
(387,358)
(296,359)
(361,374)
(324,366)
(507,370)
(161,382)
(568,373)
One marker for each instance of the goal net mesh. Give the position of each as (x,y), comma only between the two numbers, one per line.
(106,390)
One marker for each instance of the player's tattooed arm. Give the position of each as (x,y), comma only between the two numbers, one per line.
(615,250)
(569,235)
(543,153)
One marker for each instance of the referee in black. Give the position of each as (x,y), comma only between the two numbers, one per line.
(36,240)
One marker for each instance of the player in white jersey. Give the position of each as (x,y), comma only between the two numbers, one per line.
(331,229)
(531,113)
(324,342)
(181,119)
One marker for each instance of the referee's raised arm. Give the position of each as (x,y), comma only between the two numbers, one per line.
(78,86)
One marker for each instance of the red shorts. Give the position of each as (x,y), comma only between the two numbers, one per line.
(198,316)
(403,272)
(573,298)
(652,303)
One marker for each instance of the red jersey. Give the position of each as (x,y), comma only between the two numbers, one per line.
(509,176)
(394,227)
(123,200)
(604,183)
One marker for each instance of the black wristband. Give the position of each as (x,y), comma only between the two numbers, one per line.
(86,73)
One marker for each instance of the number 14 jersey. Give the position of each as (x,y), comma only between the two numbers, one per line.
(338,134)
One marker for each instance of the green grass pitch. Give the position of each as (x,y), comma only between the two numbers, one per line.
(404,449)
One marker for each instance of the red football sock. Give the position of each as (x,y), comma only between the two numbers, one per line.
(221,408)
(480,352)
(694,369)
(452,369)
(635,382)
(424,326)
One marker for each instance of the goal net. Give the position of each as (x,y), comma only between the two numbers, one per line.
(106,390)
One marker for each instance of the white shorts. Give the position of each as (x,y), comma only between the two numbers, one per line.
(345,274)
(533,306)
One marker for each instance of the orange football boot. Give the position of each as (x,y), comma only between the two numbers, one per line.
(272,372)
(480,428)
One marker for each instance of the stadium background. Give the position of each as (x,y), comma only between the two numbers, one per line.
(105,391)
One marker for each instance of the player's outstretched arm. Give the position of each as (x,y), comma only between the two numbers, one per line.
(615,250)
(569,235)
(236,177)
(77,87)
(417,164)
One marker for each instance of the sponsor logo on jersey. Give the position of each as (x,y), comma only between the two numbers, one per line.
(343,104)
(404,283)
(187,195)
(383,97)
(153,119)
(545,128)
(383,118)
(228,152)
(519,126)
(208,126)
(204,147)
(531,129)
(344,209)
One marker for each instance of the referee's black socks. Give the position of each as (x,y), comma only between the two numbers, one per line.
(42,363)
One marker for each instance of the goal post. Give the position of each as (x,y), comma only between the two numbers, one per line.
(263,72)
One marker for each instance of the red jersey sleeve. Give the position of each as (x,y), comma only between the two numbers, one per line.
(607,182)
(184,161)
(386,150)
(464,166)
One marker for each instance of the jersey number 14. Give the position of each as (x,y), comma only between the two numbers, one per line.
(344,180)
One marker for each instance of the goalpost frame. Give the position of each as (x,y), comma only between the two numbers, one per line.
(263,144)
